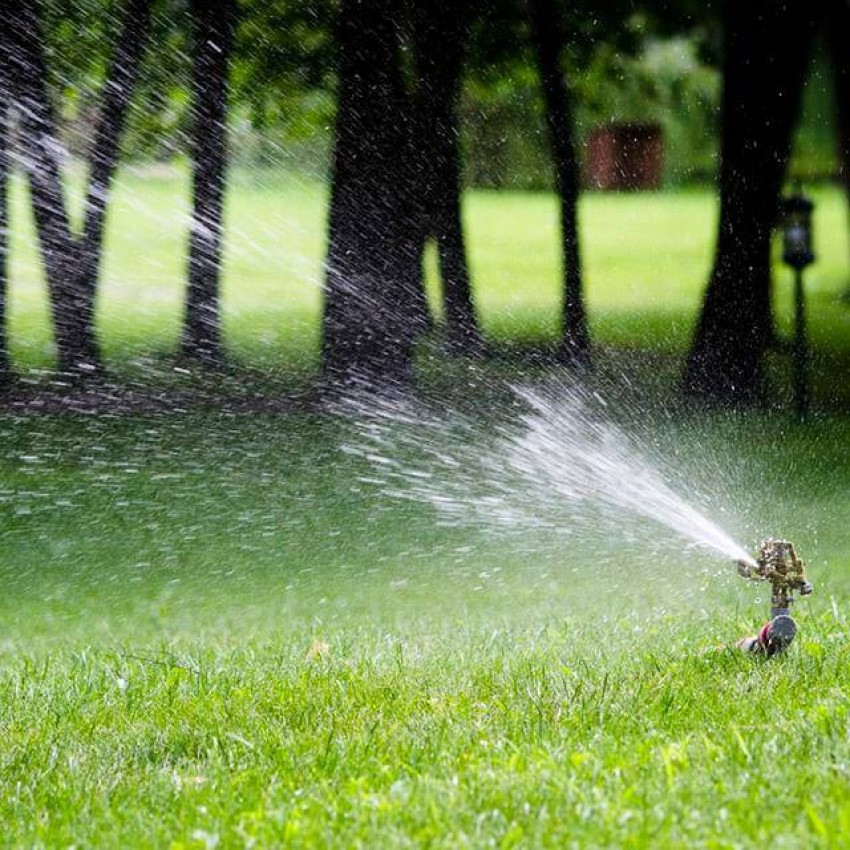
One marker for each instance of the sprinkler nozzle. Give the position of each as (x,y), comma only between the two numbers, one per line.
(776,562)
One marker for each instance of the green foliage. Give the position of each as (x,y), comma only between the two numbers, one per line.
(79,39)
(504,140)
(664,84)
(816,144)
(158,121)
(622,64)
(285,56)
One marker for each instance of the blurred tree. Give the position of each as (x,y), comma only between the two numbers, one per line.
(5,121)
(72,263)
(40,157)
(766,56)
(546,26)
(439,43)
(837,33)
(77,305)
(282,54)
(625,60)
(369,321)
(213,23)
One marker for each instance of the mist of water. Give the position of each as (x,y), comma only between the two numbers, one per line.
(556,469)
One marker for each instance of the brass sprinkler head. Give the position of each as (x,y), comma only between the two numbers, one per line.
(777,562)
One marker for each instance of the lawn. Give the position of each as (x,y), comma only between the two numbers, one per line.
(215,632)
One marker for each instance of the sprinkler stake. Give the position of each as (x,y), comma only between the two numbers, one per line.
(776,562)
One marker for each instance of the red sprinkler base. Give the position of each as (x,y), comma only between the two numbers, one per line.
(773,638)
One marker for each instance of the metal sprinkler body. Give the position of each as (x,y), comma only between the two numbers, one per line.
(776,562)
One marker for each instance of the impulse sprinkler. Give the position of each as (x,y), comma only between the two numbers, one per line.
(776,562)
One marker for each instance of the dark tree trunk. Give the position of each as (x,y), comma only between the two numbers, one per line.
(5,115)
(440,42)
(369,323)
(767,51)
(28,72)
(837,32)
(213,28)
(72,265)
(463,334)
(418,188)
(79,305)
(575,345)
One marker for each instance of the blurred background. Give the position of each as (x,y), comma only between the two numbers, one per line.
(504,177)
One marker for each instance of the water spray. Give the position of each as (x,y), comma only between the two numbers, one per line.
(563,469)
(776,562)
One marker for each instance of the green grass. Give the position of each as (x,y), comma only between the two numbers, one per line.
(505,739)
(165,578)
(212,631)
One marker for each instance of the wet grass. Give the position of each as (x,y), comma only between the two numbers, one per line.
(213,632)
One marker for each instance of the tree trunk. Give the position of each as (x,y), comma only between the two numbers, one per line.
(72,265)
(103,160)
(418,178)
(463,334)
(5,115)
(837,31)
(441,35)
(368,333)
(767,51)
(213,28)
(575,344)
(28,71)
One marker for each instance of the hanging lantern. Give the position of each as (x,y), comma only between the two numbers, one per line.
(797,252)
(797,230)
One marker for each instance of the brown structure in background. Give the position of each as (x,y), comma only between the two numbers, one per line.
(624,157)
